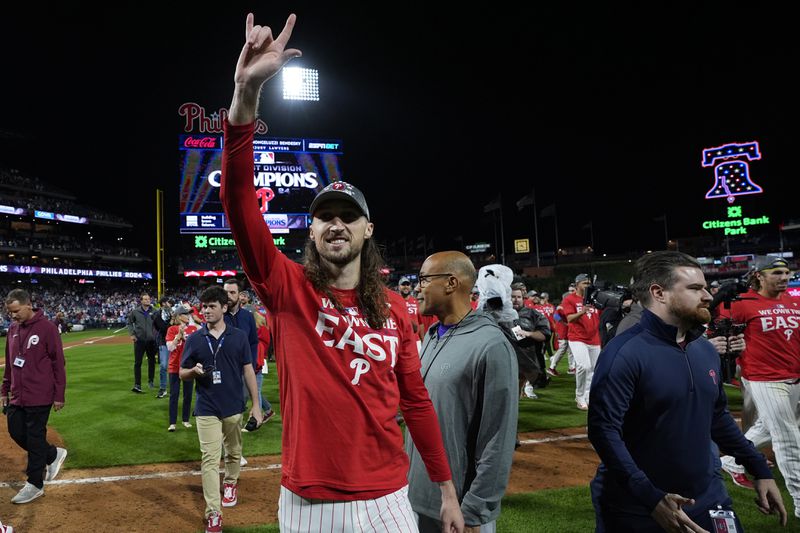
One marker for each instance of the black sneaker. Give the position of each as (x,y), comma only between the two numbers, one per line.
(162,394)
(137,389)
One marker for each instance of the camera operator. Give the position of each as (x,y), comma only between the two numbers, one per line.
(614,302)
(770,363)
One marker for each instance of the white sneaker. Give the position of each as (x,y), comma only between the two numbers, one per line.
(55,467)
(529,390)
(242,461)
(187,424)
(6,528)
(28,493)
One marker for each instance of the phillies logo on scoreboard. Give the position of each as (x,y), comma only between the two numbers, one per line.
(197,119)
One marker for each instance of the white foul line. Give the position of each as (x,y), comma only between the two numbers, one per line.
(91,341)
(555,439)
(155,475)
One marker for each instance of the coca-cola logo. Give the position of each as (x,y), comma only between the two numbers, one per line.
(196,119)
(201,142)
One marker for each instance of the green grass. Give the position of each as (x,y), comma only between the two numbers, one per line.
(105,424)
(556,408)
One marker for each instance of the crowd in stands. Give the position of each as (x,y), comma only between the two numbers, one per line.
(90,307)
(53,205)
(66,243)
(13,178)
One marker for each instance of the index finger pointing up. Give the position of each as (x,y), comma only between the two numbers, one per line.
(248,26)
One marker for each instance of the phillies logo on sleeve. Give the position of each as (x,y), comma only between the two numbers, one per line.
(713,376)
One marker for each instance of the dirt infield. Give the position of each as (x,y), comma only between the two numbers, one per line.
(169,497)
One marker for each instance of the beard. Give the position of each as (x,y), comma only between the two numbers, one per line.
(691,316)
(340,258)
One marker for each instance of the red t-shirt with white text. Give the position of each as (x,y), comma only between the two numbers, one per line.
(341,381)
(772,336)
(587,327)
(174,365)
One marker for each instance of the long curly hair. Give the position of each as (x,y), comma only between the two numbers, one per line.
(370,291)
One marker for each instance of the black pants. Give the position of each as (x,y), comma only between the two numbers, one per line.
(139,349)
(28,427)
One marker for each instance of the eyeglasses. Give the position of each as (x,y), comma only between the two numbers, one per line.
(425,280)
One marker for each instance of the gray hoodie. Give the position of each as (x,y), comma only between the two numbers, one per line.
(471,376)
(140,324)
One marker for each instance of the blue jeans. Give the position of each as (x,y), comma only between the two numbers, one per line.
(163,358)
(266,407)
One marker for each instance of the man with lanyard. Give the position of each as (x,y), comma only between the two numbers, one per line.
(34,382)
(470,371)
(657,404)
(218,358)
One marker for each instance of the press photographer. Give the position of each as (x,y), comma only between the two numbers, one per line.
(725,334)
(614,303)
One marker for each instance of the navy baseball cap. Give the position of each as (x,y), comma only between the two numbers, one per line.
(581,277)
(341,190)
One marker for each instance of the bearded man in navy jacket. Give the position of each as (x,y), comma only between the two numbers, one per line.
(656,404)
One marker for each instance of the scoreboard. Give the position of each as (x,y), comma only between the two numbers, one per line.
(288,173)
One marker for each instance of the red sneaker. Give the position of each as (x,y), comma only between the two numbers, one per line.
(552,372)
(230,495)
(571,370)
(740,479)
(214,523)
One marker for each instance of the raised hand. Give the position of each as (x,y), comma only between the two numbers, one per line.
(263,55)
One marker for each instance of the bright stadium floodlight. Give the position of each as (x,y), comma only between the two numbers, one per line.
(300,84)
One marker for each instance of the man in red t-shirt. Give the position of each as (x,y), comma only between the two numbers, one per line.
(404,290)
(584,338)
(770,365)
(344,346)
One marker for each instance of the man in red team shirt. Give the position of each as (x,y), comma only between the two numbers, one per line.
(345,349)
(770,365)
(583,337)
(404,289)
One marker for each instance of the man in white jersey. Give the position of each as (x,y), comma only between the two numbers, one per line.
(771,365)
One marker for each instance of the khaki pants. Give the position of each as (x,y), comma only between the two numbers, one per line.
(215,434)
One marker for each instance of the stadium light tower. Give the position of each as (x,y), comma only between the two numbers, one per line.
(300,84)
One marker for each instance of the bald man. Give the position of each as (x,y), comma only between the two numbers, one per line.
(470,371)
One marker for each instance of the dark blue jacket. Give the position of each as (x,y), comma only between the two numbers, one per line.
(244,321)
(653,410)
(226,398)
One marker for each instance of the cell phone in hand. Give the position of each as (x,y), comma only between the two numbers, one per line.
(208,369)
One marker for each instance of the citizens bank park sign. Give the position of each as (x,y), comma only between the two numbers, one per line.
(288,174)
(732,179)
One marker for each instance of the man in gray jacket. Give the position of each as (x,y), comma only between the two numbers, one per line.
(143,335)
(470,371)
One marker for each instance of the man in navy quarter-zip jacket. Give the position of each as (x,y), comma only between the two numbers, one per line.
(656,404)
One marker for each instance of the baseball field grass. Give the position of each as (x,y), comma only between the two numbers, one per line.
(105,424)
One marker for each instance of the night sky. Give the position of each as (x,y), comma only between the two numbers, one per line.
(605,111)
